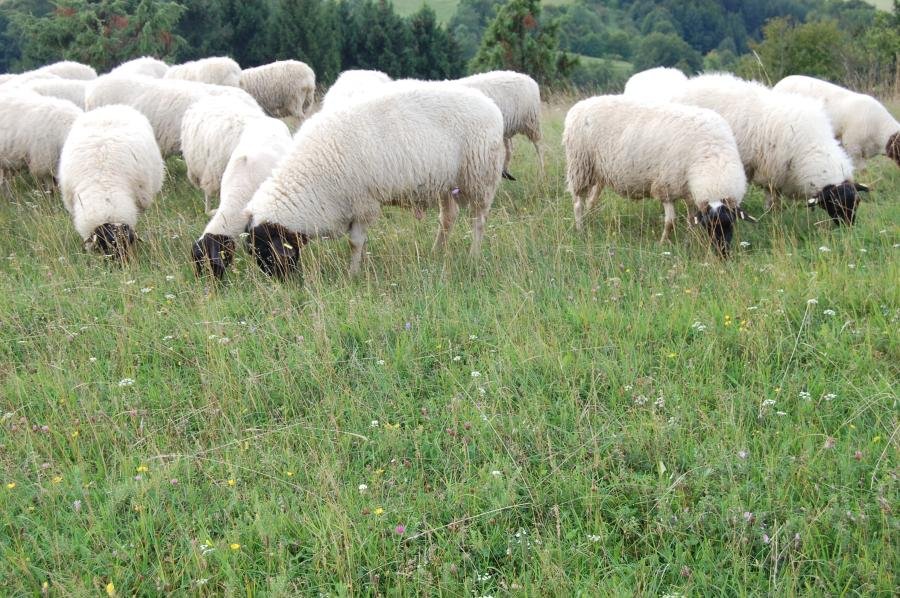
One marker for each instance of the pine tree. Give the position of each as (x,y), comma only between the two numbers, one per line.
(435,53)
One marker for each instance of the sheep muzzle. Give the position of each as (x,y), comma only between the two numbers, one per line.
(276,249)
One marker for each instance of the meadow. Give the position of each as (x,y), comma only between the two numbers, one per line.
(571,414)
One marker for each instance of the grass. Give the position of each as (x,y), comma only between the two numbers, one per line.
(590,414)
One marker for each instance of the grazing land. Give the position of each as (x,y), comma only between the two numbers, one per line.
(586,413)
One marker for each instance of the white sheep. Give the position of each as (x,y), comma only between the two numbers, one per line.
(410,146)
(352,86)
(34,130)
(519,98)
(283,88)
(68,69)
(109,172)
(658,84)
(264,142)
(12,80)
(217,70)
(162,101)
(66,89)
(861,123)
(210,130)
(786,142)
(145,65)
(652,149)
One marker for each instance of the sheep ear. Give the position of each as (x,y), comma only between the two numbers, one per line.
(745,216)
(861,188)
(812,202)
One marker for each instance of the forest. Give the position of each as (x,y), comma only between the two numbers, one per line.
(582,43)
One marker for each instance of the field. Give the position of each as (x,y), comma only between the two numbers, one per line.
(592,414)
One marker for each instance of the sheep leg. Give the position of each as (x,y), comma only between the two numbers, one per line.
(592,197)
(670,221)
(540,155)
(507,143)
(478,222)
(357,244)
(449,211)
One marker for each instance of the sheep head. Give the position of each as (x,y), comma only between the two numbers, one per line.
(114,240)
(212,254)
(276,249)
(893,148)
(840,201)
(719,223)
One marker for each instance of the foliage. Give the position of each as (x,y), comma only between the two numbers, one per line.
(519,40)
(667,49)
(468,24)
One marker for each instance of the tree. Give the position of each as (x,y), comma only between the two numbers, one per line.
(789,49)
(308,30)
(469,23)
(435,52)
(518,41)
(667,49)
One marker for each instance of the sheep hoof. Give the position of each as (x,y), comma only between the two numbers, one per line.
(508,176)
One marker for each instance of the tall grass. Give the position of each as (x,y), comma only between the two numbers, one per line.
(592,414)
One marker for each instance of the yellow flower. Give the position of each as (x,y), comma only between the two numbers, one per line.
(379,511)
(231,482)
(56,479)
(75,434)
(138,508)
(11,485)
(110,589)
(234,546)
(290,474)
(379,471)
(673,355)
(392,426)
(875,440)
(142,468)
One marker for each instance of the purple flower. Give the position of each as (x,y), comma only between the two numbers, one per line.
(455,191)
(766,539)
(400,529)
(407,326)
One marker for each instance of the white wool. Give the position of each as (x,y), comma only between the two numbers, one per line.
(412,146)
(352,86)
(283,88)
(68,69)
(162,101)
(217,70)
(146,66)
(649,149)
(786,141)
(6,77)
(210,130)
(66,89)
(34,130)
(110,169)
(11,80)
(262,145)
(658,84)
(861,123)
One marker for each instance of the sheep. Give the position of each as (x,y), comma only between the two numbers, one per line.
(109,172)
(217,70)
(6,78)
(658,84)
(68,69)
(162,101)
(519,99)
(34,130)
(11,80)
(861,123)
(264,142)
(665,151)
(145,65)
(210,130)
(413,146)
(283,88)
(786,142)
(66,89)
(352,86)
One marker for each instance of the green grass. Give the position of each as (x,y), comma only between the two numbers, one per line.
(615,440)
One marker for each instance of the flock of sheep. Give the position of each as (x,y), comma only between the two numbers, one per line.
(375,142)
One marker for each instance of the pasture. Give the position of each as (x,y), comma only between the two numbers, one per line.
(592,413)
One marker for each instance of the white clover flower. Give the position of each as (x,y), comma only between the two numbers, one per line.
(374,423)
(667,253)
(743,454)
(476,374)
(168,337)
(640,400)
(829,312)
(824,249)
(496,473)
(380,362)
(170,278)
(812,301)
(804,395)
(745,244)
(224,340)
(593,538)
(146,290)
(457,358)
(830,396)
(473,337)
(92,359)
(482,391)
(659,402)
(130,282)
(768,402)
(780,413)
(126,382)
(363,488)
(170,296)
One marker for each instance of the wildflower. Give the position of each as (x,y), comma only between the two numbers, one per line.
(766,539)
(400,529)
(77,506)
(829,442)
(473,337)
(110,589)
(130,282)
(234,546)
(374,423)
(475,374)
(126,382)
(824,249)
(457,358)
(804,395)
(205,549)
(640,400)
(496,473)
(168,337)
(231,482)
(672,355)
(768,402)
(667,253)
(858,455)
(379,511)
(169,296)
(407,326)
(593,538)
(659,403)
(830,396)
(174,481)
(363,488)
(780,413)
(380,362)
(289,474)
(812,301)
(92,359)
(745,244)
(455,191)
(829,312)
(482,391)
(75,433)
(224,340)
(10,485)
(56,479)
(142,468)
(170,278)
(742,454)
(146,290)
(748,516)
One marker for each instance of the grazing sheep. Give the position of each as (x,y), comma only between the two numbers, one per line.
(264,142)
(414,146)
(162,101)
(145,65)
(352,86)
(861,123)
(651,149)
(66,89)
(283,88)
(786,142)
(68,69)
(519,99)
(210,130)
(217,70)
(11,80)
(6,78)
(34,130)
(109,172)
(658,84)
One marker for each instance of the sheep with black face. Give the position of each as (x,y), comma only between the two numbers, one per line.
(650,149)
